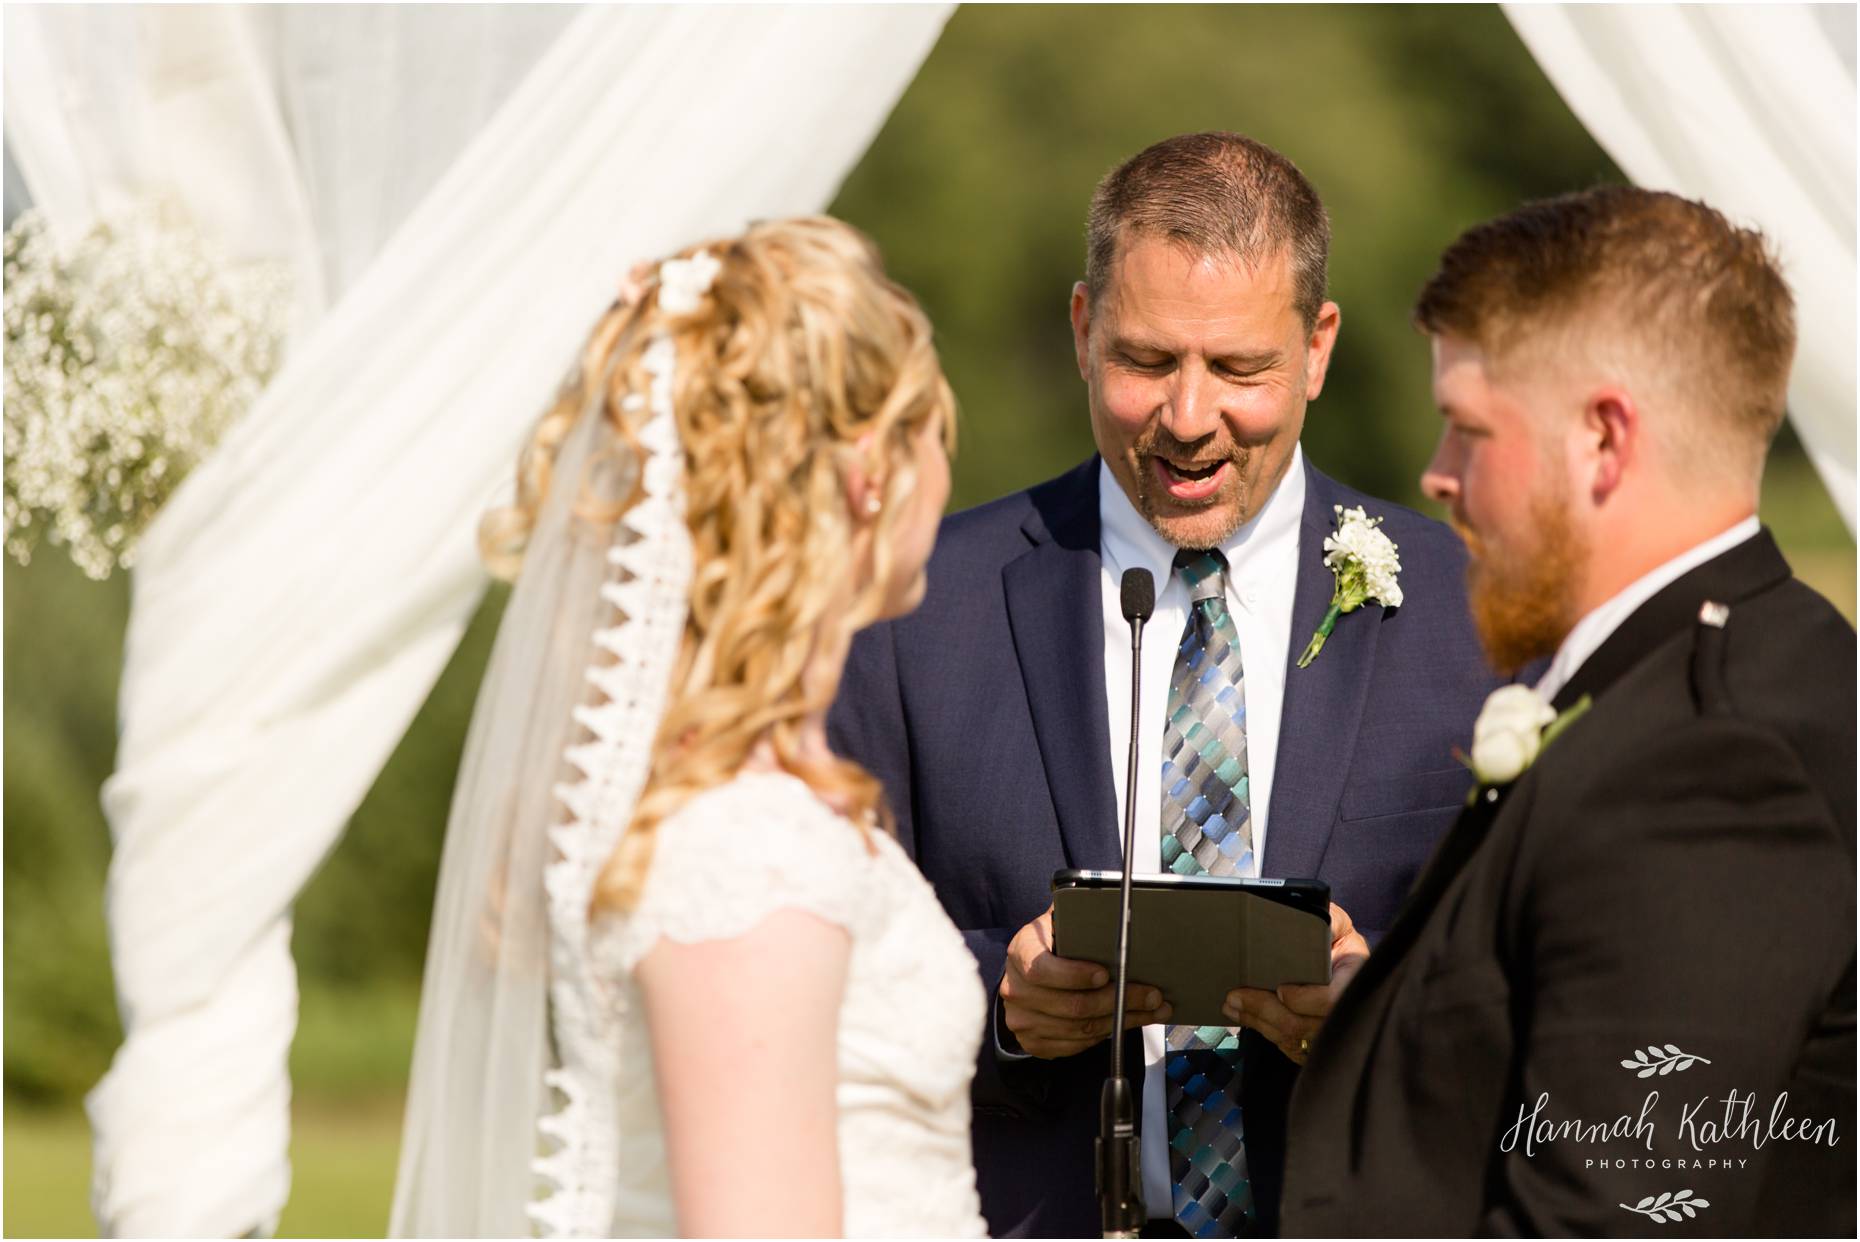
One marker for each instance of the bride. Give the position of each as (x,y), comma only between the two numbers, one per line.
(681,978)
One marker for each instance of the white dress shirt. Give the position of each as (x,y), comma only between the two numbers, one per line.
(1262,572)
(1595,629)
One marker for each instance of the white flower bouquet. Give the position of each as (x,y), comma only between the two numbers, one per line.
(128,354)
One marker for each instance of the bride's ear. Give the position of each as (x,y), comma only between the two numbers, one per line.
(864,490)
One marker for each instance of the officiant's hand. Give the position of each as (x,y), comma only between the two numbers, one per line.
(1056,1006)
(1291,1017)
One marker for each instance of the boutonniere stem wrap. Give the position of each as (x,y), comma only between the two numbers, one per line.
(1362,561)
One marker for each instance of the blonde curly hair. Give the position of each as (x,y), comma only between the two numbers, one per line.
(801,352)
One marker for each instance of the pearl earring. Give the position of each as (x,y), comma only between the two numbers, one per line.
(873,505)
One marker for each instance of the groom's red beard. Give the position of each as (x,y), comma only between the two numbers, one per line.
(1523,598)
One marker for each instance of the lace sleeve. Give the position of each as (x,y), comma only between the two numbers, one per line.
(736,855)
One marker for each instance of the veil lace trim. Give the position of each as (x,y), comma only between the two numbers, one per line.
(647,586)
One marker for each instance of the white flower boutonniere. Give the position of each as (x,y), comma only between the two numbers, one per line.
(1362,560)
(1513,728)
(684,282)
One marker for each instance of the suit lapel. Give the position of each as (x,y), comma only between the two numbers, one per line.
(1055,607)
(1753,566)
(1323,705)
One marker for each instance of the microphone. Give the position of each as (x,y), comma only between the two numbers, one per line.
(1139,597)
(1120,1183)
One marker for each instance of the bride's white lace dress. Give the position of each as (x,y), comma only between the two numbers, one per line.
(910,1022)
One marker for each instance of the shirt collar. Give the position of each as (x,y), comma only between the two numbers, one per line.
(1130,542)
(1594,629)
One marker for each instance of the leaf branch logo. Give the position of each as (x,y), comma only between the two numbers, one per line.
(1669,1206)
(1653,1059)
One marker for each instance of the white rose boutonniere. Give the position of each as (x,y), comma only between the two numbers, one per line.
(1363,561)
(1509,733)
(1513,728)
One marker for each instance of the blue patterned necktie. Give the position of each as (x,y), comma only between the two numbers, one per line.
(1207,829)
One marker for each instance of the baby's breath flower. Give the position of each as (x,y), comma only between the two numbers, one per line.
(128,354)
(1362,559)
(1362,554)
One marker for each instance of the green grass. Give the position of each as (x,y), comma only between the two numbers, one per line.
(47,1174)
(342,1157)
(343,1170)
(349,1062)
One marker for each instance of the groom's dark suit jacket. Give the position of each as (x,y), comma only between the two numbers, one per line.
(1675,869)
(984,714)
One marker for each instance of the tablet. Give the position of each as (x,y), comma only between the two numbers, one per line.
(1198,937)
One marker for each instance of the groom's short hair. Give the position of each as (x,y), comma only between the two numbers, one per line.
(1213,193)
(1657,287)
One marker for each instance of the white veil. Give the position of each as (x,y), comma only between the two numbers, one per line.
(557,754)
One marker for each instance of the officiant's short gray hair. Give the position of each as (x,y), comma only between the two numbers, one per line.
(1213,193)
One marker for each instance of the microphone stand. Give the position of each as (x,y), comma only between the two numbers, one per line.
(1119,1181)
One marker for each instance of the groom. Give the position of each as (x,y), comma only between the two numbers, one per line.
(1657,915)
(997,715)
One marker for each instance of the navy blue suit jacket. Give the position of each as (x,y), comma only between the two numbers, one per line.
(984,715)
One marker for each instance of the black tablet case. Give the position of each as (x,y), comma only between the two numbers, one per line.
(1196,940)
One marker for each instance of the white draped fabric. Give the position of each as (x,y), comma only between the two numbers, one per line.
(1751,108)
(266,125)
(459,190)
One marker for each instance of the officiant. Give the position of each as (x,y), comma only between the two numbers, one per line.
(997,715)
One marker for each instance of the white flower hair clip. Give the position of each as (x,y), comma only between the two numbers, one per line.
(684,282)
